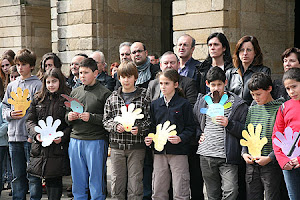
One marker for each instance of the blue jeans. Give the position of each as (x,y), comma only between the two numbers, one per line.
(292,180)
(3,151)
(20,154)
(88,168)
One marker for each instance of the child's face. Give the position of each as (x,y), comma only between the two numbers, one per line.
(167,87)
(52,84)
(262,96)
(217,85)
(293,88)
(87,76)
(13,76)
(24,69)
(127,83)
(5,65)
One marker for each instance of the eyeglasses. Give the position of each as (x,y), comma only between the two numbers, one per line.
(5,65)
(247,50)
(127,54)
(137,51)
(74,64)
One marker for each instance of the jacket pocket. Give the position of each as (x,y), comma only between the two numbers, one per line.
(35,149)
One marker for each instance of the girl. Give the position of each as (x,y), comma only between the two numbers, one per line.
(49,61)
(173,159)
(13,73)
(288,116)
(50,162)
(6,63)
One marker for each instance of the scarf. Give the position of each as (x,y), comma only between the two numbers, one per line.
(144,72)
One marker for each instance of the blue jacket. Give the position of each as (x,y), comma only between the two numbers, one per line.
(178,112)
(3,129)
(236,124)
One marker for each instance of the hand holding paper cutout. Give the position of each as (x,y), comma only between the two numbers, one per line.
(74,104)
(288,142)
(162,134)
(253,141)
(48,130)
(128,117)
(19,100)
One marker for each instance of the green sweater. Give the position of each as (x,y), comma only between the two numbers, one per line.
(264,115)
(93,98)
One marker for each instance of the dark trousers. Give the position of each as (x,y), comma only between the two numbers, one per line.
(196,180)
(54,187)
(147,174)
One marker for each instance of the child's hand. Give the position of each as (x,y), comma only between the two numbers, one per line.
(73,116)
(202,138)
(174,139)
(148,141)
(263,160)
(120,128)
(29,140)
(84,116)
(134,130)
(38,138)
(295,162)
(288,166)
(221,120)
(16,114)
(57,140)
(248,158)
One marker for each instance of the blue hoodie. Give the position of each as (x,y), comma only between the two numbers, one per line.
(3,129)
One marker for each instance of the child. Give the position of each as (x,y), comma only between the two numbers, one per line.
(219,146)
(263,173)
(288,116)
(172,162)
(88,143)
(51,162)
(18,138)
(127,148)
(13,73)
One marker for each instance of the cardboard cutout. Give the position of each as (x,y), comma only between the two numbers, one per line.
(215,109)
(48,131)
(253,141)
(19,100)
(73,103)
(128,117)
(162,134)
(288,142)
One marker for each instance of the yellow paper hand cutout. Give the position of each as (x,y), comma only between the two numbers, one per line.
(162,134)
(19,100)
(253,141)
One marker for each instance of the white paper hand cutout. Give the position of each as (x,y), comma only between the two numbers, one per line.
(48,131)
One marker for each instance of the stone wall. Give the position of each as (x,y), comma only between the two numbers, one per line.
(270,21)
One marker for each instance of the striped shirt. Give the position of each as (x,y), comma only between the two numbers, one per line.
(214,143)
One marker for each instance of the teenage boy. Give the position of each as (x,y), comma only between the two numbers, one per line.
(18,137)
(219,145)
(127,148)
(88,143)
(263,173)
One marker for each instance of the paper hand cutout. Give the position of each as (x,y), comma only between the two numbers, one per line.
(73,103)
(128,117)
(215,109)
(288,142)
(253,141)
(48,131)
(19,100)
(162,134)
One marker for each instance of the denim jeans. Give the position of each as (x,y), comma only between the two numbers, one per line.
(292,180)
(20,154)
(3,151)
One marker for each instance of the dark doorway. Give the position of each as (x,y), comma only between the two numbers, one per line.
(166,26)
(297,24)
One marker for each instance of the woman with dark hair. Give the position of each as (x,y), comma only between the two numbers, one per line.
(6,63)
(49,61)
(247,59)
(218,56)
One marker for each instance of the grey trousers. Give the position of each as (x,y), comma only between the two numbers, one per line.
(127,173)
(165,166)
(220,178)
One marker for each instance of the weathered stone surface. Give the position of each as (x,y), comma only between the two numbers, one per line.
(179,7)
(250,20)
(248,6)
(198,6)
(136,7)
(217,4)
(275,6)
(10,11)
(10,21)
(10,31)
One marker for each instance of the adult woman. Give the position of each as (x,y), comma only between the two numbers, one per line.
(49,61)
(247,59)
(6,63)
(218,55)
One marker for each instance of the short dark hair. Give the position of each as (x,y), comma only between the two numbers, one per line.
(127,69)
(288,52)
(81,54)
(26,56)
(259,80)
(89,63)
(293,73)
(214,74)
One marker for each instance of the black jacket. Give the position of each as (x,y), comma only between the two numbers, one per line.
(239,85)
(51,161)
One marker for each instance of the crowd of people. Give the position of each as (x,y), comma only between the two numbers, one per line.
(169,96)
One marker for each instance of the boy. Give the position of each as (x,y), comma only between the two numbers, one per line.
(88,143)
(262,173)
(127,148)
(219,145)
(18,137)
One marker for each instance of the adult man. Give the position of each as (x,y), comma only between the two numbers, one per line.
(154,59)
(188,65)
(147,71)
(188,85)
(102,77)
(73,80)
(124,50)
